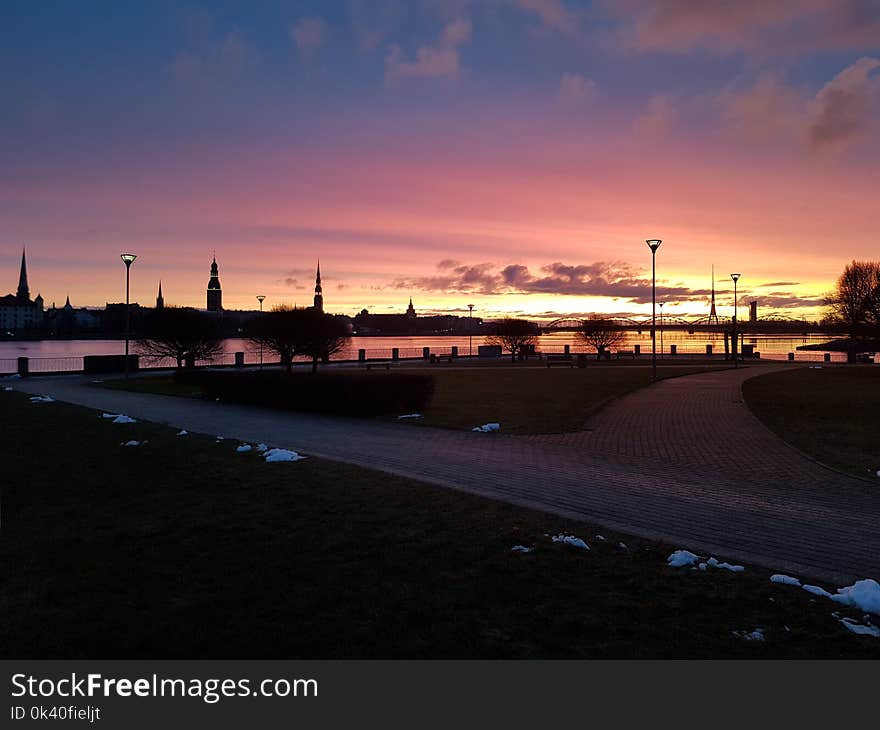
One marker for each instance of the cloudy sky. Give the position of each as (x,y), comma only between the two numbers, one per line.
(513,154)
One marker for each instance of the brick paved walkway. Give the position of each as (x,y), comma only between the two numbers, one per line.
(683,461)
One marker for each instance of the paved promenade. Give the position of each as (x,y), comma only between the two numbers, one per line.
(683,460)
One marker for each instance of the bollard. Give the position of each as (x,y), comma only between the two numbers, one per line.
(708,350)
(395,353)
(426,352)
(455,351)
(567,349)
(362,355)
(827,357)
(23,363)
(791,357)
(239,359)
(673,350)
(637,350)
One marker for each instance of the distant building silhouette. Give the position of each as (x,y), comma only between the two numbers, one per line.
(411,310)
(215,294)
(753,311)
(713,315)
(319,295)
(409,323)
(160,300)
(17,311)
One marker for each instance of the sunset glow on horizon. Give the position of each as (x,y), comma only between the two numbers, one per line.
(512,154)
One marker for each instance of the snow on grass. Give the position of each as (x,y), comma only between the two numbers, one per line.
(8,389)
(571,540)
(754,635)
(109,415)
(785,580)
(14,376)
(42,399)
(863,594)
(487,427)
(262,448)
(520,549)
(244,448)
(622,546)
(816,591)
(133,443)
(600,538)
(183,433)
(866,629)
(409,415)
(681,558)
(273,455)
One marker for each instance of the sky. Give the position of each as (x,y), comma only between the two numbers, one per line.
(511,154)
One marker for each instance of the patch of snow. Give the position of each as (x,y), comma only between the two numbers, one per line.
(220,438)
(622,546)
(815,367)
(731,568)
(863,594)
(133,443)
(755,635)
(42,399)
(244,448)
(702,566)
(866,629)
(409,415)
(123,419)
(816,591)
(183,433)
(282,455)
(599,537)
(14,376)
(8,388)
(109,415)
(520,549)
(487,427)
(680,558)
(571,540)
(262,448)
(785,580)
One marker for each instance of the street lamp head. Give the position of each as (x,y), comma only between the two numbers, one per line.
(735,277)
(128,258)
(653,243)
(260,298)
(471,307)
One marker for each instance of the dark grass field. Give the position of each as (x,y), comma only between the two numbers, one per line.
(183,548)
(830,413)
(526,398)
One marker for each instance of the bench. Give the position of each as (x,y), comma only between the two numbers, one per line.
(627,353)
(554,359)
(371,365)
(448,356)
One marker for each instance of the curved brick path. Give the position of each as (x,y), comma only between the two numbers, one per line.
(683,461)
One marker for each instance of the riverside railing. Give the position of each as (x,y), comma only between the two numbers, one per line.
(248,358)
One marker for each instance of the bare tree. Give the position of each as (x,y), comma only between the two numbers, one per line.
(855,302)
(600,333)
(291,332)
(180,333)
(513,335)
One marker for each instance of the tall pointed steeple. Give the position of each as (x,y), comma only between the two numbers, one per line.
(23,291)
(160,300)
(713,315)
(319,295)
(215,294)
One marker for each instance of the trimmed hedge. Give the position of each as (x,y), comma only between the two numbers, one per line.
(339,393)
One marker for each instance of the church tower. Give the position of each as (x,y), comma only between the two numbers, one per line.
(160,300)
(215,295)
(411,310)
(319,295)
(23,292)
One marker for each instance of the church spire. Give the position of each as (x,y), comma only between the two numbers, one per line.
(23,291)
(713,315)
(160,300)
(319,295)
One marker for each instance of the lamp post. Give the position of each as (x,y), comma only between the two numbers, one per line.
(653,244)
(661,328)
(735,278)
(128,260)
(470,330)
(260,298)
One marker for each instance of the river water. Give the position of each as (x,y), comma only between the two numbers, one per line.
(49,355)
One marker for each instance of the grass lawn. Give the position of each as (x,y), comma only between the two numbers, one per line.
(525,398)
(183,548)
(534,399)
(829,413)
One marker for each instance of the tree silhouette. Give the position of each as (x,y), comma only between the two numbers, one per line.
(855,302)
(298,332)
(180,333)
(600,333)
(513,335)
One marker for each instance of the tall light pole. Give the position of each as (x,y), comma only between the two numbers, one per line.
(735,278)
(470,330)
(260,298)
(128,260)
(661,328)
(653,244)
